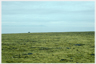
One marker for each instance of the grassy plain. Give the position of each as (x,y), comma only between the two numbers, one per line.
(56,47)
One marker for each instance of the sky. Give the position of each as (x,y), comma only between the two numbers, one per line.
(47,16)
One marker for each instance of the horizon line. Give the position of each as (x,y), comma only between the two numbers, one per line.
(47,32)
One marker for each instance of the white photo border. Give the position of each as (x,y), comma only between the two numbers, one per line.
(41,0)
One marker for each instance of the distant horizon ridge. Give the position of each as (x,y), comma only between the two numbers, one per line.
(48,32)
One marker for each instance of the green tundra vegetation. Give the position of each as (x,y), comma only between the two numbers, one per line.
(53,47)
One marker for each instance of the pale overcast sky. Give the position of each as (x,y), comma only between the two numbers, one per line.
(47,16)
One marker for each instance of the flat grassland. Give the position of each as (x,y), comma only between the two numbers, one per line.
(56,47)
